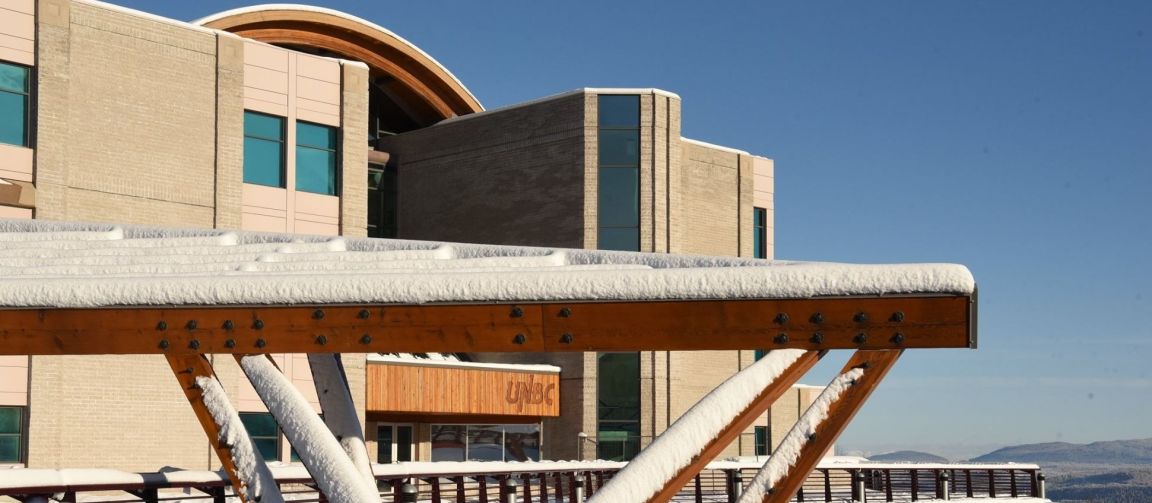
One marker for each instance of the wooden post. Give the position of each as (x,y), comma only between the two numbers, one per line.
(738,424)
(876,364)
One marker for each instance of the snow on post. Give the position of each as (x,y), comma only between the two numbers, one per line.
(785,456)
(339,410)
(255,478)
(322,455)
(682,442)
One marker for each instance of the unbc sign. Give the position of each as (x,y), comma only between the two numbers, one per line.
(525,393)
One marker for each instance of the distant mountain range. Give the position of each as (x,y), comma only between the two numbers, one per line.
(1111,452)
(908,457)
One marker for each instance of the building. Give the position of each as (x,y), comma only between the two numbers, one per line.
(306,120)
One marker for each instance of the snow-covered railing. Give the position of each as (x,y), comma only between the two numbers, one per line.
(552,482)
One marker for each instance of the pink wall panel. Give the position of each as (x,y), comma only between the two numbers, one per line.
(13,380)
(14,212)
(15,163)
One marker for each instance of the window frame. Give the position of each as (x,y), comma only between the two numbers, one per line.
(334,150)
(759,232)
(283,148)
(19,434)
(26,95)
(633,167)
(254,438)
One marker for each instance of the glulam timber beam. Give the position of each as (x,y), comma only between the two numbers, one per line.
(862,323)
(738,424)
(876,364)
(187,368)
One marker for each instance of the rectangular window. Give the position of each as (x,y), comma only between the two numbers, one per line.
(11,434)
(316,158)
(760,353)
(618,190)
(382,201)
(264,433)
(484,442)
(761,440)
(264,149)
(760,232)
(14,104)
(618,405)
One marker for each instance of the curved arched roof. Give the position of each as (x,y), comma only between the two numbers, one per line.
(414,78)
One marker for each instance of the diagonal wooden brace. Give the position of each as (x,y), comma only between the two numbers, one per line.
(187,368)
(339,410)
(876,364)
(763,401)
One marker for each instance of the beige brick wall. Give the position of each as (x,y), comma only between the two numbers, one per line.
(354,151)
(503,177)
(710,209)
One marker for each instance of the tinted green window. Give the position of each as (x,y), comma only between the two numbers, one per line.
(264,433)
(760,353)
(619,111)
(618,405)
(13,104)
(618,190)
(263,149)
(11,434)
(761,440)
(315,158)
(760,232)
(619,147)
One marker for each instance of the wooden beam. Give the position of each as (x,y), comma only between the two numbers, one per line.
(187,368)
(876,364)
(763,401)
(810,324)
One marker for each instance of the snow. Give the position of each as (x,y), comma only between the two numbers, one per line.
(327,462)
(339,411)
(255,478)
(786,454)
(408,360)
(682,442)
(92,265)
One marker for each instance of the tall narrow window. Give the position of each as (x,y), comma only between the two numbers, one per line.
(618,193)
(263,149)
(11,434)
(761,440)
(760,232)
(618,405)
(264,433)
(382,201)
(14,105)
(316,158)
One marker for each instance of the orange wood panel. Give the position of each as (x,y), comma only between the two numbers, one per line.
(811,324)
(401,388)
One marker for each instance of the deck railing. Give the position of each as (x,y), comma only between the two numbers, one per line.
(548,482)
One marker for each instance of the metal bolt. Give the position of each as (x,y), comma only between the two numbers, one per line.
(363,314)
(519,339)
(817,318)
(565,312)
(566,338)
(898,338)
(318,314)
(811,437)
(780,339)
(365,339)
(163,325)
(228,325)
(230,343)
(261,343)
(860,317)
(860,338)
(321,340)
(258,324)
(191,325)
(163,343)
(194,344)
(517,312)
(817,338)
(897,317)
(781,318)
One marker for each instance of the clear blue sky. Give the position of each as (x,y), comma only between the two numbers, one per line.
(1013,137)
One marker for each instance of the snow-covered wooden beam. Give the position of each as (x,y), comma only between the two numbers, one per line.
(819,427)
(890,322)
(340,411)
(251,479)
(697,437)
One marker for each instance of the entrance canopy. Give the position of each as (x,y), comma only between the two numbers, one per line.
(102,289)
(71,289)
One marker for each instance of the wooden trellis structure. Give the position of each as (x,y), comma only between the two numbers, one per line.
(877,328)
